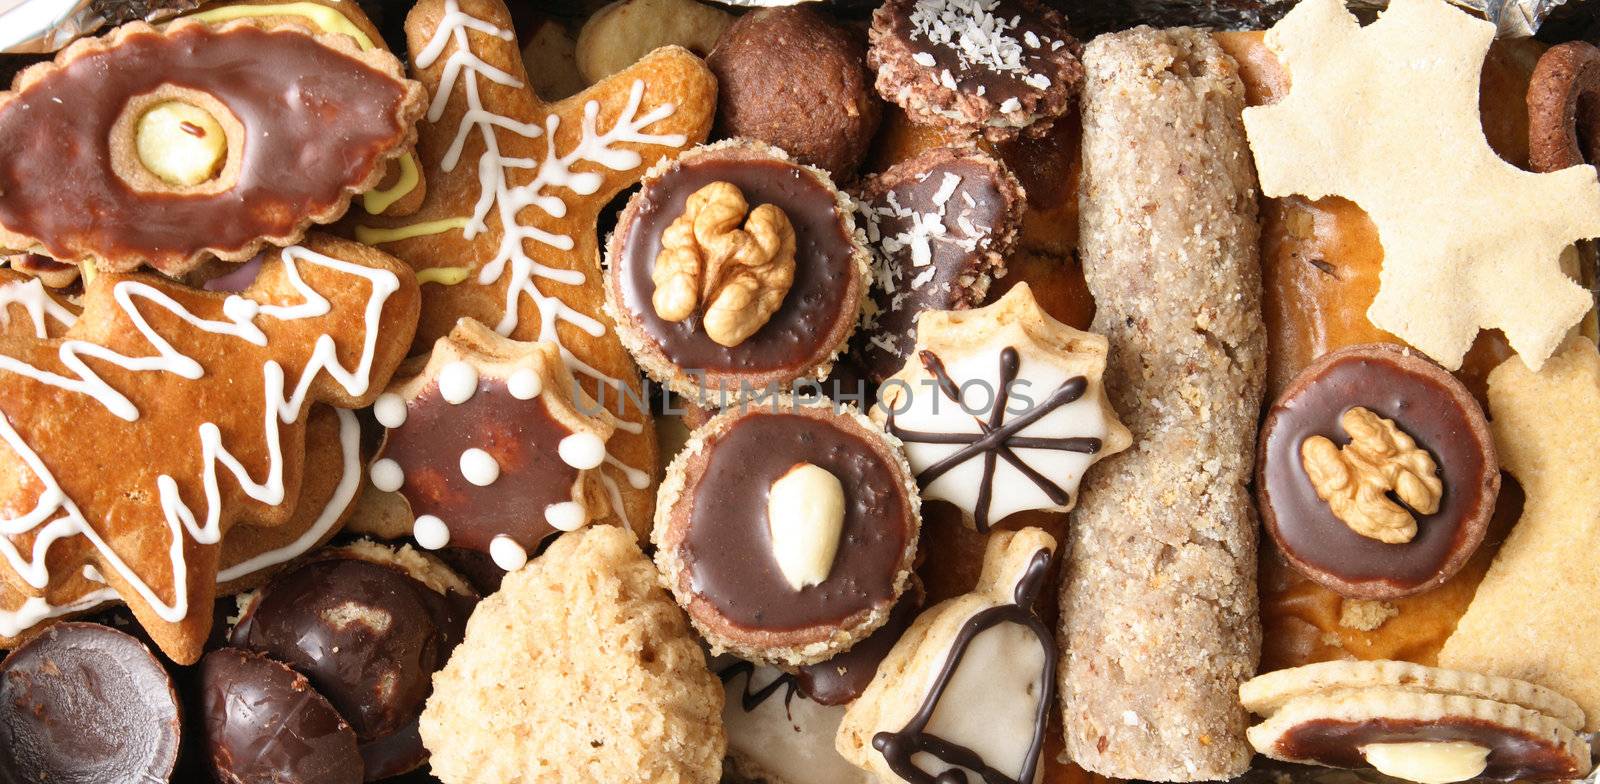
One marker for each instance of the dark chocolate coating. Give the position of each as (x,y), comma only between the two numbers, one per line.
(84,703)
(797,80)
(369,637)
(727,547)
(265,724)
(521,435)
(1513,754)
(1429,406)
(843,678)
(800,334)
(316,122)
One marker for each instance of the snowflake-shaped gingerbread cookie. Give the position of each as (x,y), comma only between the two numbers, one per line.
(1387,116)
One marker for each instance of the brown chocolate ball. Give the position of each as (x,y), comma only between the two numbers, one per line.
(796,79)
(83,702)
(265,724)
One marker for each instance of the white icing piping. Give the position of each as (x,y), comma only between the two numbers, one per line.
(32,297)
(241,313)
(555,170)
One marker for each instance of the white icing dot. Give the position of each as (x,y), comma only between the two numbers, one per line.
(565,516)
(430,532)
(524,384)
(458,381)
(479,467)
(387,475)
(507,554)
(390,409)
(582,450)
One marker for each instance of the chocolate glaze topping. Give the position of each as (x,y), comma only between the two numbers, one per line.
(521,435)
(900,206)
(1513,754)
(843,678)
(727,547)
(83,703)
(265,723)
(1305,526)
(370,637)
(800,334)
(316,122)
(899,748)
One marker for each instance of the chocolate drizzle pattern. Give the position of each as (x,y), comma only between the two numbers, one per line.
(899,748)
(997,438)
(750,700)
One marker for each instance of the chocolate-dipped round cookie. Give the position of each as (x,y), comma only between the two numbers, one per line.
(84,703)
(1376,473)
(734,269)
(787,530)
(265,724)
(796,79)
(369,626)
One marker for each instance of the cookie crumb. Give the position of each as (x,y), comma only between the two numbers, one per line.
(1365,615)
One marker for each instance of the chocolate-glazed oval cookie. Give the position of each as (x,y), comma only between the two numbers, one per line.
(84,703)
(734,268)
(1376,473)
(369,626)
(265,724)
(167,146)
(787,530)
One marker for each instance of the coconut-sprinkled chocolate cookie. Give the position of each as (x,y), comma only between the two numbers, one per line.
(83,702)
(195,141)
(734,269)
(1377,474)
(966,694)
(939,226)
(1417,723)
(493,445)
(787,530)
(998,68)
(369,625)
(1001,409)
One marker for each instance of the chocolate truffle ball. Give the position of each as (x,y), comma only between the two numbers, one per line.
(265,724)
(797,80)
(84,703)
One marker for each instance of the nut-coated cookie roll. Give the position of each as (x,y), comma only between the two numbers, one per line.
(1159,621)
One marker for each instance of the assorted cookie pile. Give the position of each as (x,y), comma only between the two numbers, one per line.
(920,391)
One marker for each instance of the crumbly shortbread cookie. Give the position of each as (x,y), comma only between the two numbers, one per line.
(580,669)
(1265,694)
(1341,730)
(1002,409)
(977,672)
(787,529)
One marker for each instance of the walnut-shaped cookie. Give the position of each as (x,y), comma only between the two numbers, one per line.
(493,444)
(1001,409)
(733,270)
(173,145)
(787,530)
(966,693)
(1376,473)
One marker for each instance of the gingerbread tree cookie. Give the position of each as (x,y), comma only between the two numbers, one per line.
(1387,116)
(507,231)
(167,415)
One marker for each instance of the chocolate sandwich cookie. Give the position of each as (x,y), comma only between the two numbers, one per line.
(265,724)
(369,626)
(1377,474)
(787,530)
(999,68)
(83,702)
(735,269)
(938,226)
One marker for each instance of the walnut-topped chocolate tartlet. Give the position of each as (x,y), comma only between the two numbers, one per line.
(1377,474)
(734,269)
(787,530)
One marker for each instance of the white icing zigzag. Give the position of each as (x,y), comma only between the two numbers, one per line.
(31,297)
(63,516)
(497,196)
